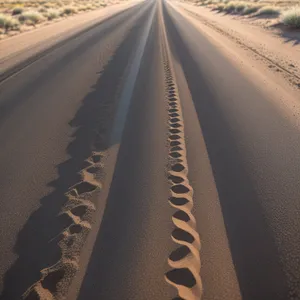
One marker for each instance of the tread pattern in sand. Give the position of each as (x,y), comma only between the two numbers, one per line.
(77,216)
(185,259)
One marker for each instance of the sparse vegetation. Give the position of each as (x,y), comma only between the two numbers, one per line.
(8,23)
(230,7)
(240,7)
(17,10)
(291,17)
(251,9)
(69,10)
(22,14)
(31,17)
(53,14)
(220,7)
(268,11)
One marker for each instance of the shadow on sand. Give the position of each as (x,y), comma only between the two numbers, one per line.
(37,244)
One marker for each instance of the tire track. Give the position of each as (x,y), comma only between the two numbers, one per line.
(185,259)
(77,215)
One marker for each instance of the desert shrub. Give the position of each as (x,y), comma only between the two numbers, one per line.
(268,11)
(69,10)
(239,7)
(89,7)
(230,7)
(220,6)
(251,9)
(52,14)
(291,17)
(17,10)
(31,17)
(8,23)
(42,9)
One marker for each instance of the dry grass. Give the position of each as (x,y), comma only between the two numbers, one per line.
(285,11)
(269,11)
(17,10)
(31,17)
(251,9)
(69,10)
(291,17)
(8,23)
(52,14)
(22,14)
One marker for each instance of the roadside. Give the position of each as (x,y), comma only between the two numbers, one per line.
(281,18)
(24,15)
(285,13)
(278,53)
(19,48)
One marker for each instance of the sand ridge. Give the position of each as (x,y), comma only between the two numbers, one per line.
(185,259)
(77,214)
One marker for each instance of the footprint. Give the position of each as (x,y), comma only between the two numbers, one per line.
(180,189)
(176,179)
(96,158)
(92,170)
(182,277)
(174,143)
(174,120)
(176,148)
(79,211)
(52,279)
(174,137)
(180,253)
(173,115)
(175,154)
(175,125)
(178,201)
(84,187)
(181,215)
(75,228)
(182,235)
(174,130)
(178,168)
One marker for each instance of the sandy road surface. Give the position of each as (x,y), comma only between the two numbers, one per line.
(148,158)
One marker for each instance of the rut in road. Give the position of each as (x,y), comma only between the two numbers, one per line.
(184,260)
